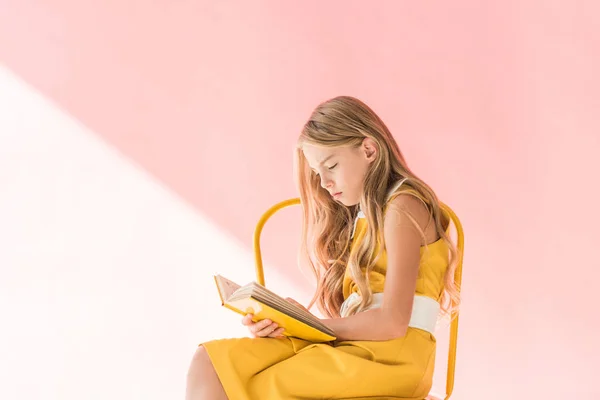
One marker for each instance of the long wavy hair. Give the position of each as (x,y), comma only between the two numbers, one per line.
(327,225)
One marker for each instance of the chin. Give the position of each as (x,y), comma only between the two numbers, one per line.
(348,203)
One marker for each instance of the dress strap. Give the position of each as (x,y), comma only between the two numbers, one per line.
(393,189)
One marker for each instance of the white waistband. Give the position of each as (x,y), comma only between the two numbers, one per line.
(424,315)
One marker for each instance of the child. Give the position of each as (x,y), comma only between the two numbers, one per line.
(378,244)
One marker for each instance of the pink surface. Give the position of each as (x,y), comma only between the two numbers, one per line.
(495,105)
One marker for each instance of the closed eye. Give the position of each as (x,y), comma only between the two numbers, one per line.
(329,168)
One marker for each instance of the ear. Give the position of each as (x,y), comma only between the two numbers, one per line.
(370,149)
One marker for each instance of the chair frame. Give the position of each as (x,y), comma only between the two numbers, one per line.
(260,277)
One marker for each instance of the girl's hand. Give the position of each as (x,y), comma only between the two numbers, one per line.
(296,303)
(264,328)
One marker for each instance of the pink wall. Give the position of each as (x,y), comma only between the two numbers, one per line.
(494,104)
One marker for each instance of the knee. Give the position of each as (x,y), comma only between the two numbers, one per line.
(202,380)
(201,362)
(201,372)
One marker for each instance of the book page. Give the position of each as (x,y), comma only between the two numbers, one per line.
(226,287)
(263,303)
(273,300)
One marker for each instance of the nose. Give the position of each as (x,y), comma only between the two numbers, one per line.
(326,182)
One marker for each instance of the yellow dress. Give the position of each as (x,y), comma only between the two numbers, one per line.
(291,368)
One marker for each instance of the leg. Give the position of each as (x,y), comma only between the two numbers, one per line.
(202,380)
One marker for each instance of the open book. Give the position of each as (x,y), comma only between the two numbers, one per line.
(263,304)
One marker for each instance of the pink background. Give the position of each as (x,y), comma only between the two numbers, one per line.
(141,141)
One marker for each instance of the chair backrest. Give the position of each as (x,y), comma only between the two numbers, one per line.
(260,276)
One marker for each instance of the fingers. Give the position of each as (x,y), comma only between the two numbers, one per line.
(296,303)
(291,300)
(277,333)
(247,320)
(263,328)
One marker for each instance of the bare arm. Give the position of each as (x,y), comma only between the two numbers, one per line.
(403,241)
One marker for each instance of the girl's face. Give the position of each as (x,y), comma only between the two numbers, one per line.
(341,169)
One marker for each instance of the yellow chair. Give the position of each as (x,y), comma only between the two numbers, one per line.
(260,278)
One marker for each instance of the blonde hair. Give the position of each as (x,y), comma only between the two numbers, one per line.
(327,225)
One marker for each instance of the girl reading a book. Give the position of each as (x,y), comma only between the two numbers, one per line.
(378,243)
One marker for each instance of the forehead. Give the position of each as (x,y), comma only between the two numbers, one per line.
(316,155)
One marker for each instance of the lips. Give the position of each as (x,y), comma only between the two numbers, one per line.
(334,195)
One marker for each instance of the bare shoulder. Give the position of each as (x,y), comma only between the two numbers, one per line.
(406,210)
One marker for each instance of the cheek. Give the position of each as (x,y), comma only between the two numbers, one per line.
(354,178)
(355,172)
(349,179)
